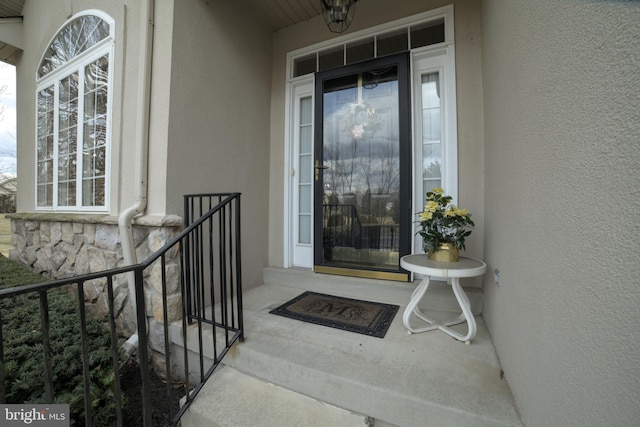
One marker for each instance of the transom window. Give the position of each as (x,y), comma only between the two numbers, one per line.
(73,135)
(375,46)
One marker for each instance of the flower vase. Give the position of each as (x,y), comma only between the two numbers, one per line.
(446,252)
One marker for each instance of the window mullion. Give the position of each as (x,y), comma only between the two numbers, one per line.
(56,141)
(80,137)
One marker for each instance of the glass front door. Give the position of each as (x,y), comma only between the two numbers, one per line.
(363,169)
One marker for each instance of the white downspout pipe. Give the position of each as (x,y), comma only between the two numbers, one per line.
(142,154)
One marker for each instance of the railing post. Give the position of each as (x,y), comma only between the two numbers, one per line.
(239,269)
(3,397)
(88,415)
(114,351)
(143,352)
(186,258)
(46,347)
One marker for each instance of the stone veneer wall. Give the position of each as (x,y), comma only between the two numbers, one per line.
(70,245)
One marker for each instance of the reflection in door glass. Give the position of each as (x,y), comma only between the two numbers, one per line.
(361,170)
(431,132)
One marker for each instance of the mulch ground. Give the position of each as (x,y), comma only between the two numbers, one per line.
(131,386)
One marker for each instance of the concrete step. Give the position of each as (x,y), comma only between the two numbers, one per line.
(426,379)
(232,399)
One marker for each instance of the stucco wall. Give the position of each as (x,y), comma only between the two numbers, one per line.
(562,136)
(469,100)
(219,116)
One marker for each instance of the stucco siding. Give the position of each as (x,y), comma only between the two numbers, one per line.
(562,125)
(219,116)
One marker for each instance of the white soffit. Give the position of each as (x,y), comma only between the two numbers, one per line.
(9,10)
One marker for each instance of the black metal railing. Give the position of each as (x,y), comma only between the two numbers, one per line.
(220,269)
(345,226)
(207,252)
(341,226)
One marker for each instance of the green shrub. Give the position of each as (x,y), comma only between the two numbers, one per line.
(7,203)
(23,350)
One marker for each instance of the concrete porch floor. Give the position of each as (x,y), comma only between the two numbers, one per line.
(426,379)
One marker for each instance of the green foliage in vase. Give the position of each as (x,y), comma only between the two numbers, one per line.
(443,222)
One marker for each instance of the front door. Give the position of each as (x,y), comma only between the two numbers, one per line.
(362,169)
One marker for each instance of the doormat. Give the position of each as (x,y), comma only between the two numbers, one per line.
(362,317)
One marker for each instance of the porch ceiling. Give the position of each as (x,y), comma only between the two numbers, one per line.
(278,13)
(284,13)
(9,9)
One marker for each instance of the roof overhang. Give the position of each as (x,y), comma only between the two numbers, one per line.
(10,30)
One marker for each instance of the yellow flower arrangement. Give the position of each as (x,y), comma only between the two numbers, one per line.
(443,222)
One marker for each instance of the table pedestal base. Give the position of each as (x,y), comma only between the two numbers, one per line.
(463,301)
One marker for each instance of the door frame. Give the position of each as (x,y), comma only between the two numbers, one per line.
(293,80)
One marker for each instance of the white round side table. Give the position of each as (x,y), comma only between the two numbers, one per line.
(465,267)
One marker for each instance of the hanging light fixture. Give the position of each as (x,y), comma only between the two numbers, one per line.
(338,14)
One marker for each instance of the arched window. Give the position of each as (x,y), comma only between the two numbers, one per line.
(73,117)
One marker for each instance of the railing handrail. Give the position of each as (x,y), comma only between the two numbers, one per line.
(57,283)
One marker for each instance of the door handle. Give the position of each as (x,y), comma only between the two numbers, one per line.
(318,168)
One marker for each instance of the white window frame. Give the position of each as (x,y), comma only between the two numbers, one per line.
(424,61)
(53,78)
(301,88)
